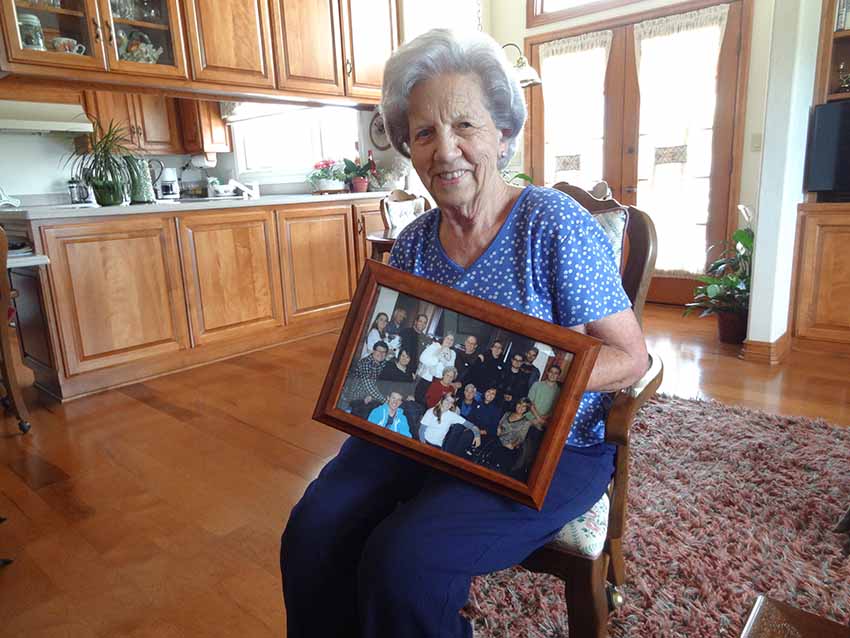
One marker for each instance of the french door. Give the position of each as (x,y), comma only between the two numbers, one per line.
(650,108)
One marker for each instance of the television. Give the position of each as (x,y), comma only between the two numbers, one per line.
(828,151)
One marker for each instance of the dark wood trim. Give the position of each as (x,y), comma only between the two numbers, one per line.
(769,352)
(583,348)
(671,290)
(535,17)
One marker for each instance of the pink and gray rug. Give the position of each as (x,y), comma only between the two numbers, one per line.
(725,503)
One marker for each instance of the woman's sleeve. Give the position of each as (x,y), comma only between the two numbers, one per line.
(429,355)
(372,338)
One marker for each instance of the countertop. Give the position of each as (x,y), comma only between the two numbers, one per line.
(181,206)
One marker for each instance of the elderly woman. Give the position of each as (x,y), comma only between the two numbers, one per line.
(380,545)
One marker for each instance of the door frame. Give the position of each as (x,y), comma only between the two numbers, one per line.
(616,112)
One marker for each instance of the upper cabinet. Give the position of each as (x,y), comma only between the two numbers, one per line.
(370,35)
(68,36)
(230,41)
(203,128)
(150,121)
(144,37)
(309,46)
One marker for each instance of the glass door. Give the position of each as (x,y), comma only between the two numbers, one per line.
(145,37)
(61,33)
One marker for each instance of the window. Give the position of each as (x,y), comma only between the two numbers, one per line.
(540,12)
(281,143)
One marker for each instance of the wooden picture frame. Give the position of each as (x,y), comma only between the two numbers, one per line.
(377,279)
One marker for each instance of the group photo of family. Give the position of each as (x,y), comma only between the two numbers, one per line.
(454,382)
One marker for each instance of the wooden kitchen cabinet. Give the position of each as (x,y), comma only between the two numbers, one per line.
(232,271)
(367,219)
(162,29)
(822,308)
(230,41)
(318,260)
(370,35)
(117,291)
(202,127)
(150,120)
(76,19)
(308,45)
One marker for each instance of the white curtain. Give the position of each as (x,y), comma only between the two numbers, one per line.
(677,59)
(573,72)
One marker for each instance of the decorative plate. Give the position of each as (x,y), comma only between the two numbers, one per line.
(378,133)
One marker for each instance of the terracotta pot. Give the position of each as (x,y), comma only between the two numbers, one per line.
(359,184)
(731,327)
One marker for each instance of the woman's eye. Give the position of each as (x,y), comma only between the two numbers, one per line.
(422,134)
(465,125)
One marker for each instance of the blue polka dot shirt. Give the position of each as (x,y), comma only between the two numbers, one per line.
(550,260)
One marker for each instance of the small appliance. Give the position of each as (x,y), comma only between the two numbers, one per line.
(169,187)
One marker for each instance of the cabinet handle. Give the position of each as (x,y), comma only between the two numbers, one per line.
(630,189)
(360,227)
(96,29)
(109,32)
(348,68)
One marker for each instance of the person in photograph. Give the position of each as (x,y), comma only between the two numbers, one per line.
(377,332)
(414,340)
(396,325)
(468,402)
(514,382)
(502,451)
(543,396)
(390,415)
(438,421)
(397,376)
(433,360)
(465,357)
(487,412)
(363,535)
(441,386)
(361,382)
(528,366)
(487,371)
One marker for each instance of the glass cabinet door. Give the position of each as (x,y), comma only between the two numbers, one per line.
(63,33)
(144,36)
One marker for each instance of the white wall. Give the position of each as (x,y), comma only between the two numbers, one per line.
(33,164)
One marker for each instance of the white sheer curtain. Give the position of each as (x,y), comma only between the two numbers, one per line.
(573,73)
(677,59)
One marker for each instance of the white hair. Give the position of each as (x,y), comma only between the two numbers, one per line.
(442,52)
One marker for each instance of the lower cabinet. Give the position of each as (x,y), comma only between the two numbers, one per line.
(232,273)
(367,219)
(318,258)
(822,307)
(117,290)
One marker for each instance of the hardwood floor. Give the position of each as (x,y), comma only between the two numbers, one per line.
(155,510)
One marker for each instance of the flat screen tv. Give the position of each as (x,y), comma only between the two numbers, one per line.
(828,151)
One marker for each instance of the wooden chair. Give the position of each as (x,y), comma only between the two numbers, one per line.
(390,210)
(589,599)
(12,399)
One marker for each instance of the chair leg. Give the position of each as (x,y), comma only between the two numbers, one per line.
(616,566)
(13,396)
(587,603)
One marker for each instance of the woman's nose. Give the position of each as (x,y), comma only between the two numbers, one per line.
(447,148)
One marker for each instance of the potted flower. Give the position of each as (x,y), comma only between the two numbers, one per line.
(358,174)
(327,175)
(725,289)
(101,163)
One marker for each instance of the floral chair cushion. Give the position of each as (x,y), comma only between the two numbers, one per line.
(614,222)
(585,535)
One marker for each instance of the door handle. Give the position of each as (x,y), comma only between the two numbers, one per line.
(96,30)
(630,189)
(360,226)
(109,32)
(348,68)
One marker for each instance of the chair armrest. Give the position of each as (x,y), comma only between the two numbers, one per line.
(627,402)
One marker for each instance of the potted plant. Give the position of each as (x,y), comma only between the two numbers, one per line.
(358,174)
(327,175)
(102,165)
(725,289)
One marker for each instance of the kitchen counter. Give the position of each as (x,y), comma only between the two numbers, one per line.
(178,206)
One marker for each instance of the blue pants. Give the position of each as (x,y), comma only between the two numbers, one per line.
(382,546)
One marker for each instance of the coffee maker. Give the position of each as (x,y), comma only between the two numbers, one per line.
(169,187)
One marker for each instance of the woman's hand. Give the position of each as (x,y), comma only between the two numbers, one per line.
(476,442)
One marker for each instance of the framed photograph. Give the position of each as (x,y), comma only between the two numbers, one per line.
(464,385)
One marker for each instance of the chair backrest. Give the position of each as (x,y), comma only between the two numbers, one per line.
(399,208)
(641,243)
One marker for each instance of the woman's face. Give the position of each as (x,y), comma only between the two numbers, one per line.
(454,144)
(403,358)
(521,408)
(447,403)
(382,322)
(448,341)
(448,376)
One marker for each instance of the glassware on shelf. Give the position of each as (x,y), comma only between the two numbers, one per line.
(32,35)
(123,9)
(149,11)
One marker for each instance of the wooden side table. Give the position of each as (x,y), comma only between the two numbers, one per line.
(772,619)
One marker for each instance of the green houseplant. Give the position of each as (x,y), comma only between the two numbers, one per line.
(102,165)
(327,175)
(358,174)
(725,287)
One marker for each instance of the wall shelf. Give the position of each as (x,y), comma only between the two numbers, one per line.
(56,10)
(139,24)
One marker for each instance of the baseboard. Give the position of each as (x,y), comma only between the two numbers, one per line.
(771,353)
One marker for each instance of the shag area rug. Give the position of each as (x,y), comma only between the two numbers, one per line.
(724,503)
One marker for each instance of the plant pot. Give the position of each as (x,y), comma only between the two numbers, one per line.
(731,327)
(108,193)
(359,184)
(328,185)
